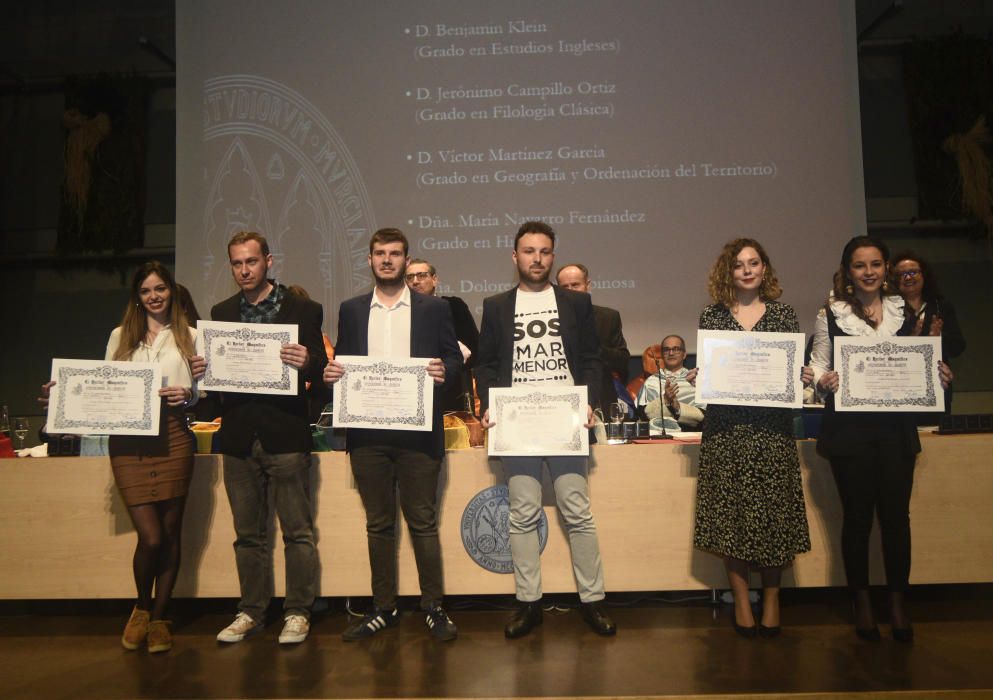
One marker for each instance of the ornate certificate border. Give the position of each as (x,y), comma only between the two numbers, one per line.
(847,348)
(344,416)
(792,344)
(507,443)
(65,371)
(211,331)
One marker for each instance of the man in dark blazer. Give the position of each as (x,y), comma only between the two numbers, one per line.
(265,441)
(423,277)
(544,334)
(613,348)
(393,321)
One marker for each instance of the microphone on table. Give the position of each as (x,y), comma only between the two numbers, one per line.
(658,367)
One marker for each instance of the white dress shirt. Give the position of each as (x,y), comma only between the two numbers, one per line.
(389,326)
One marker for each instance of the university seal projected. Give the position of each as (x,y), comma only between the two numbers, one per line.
(896,374)
(750,369)
(244,357)
(538,422)
(379,392)
(486,529)
(105,398)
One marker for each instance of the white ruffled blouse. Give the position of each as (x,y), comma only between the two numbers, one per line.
(822,351)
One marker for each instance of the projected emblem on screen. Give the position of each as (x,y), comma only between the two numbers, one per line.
(275,164)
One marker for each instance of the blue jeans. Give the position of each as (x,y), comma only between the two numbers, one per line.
(247,484)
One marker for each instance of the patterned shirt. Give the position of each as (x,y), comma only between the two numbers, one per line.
(266,310)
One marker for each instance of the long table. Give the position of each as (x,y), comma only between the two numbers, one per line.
(64,532)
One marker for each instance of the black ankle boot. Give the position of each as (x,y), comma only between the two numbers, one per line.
(526,617)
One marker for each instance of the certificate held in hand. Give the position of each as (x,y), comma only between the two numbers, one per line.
(104,398)
(532,421)
(749,369)
(395,393)
(244,357)
(897,374)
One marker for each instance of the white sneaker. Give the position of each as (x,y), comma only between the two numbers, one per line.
(242,627)
(295,630)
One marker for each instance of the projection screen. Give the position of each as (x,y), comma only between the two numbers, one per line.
(646,133)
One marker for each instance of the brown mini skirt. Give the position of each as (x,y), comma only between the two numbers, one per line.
(154,468)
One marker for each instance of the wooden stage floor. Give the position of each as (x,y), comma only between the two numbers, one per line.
(666,647)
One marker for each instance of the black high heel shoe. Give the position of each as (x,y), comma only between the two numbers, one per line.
(869,634)
(769,632)
(746,632)
(903,634)
(861,602)
(901,628)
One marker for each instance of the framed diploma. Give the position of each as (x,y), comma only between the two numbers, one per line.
(394,393)
(749,369)
(244,357)
(105,398)
(892,374)
(544,422)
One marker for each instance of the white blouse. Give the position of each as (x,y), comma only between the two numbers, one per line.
(175,368)
(822,351)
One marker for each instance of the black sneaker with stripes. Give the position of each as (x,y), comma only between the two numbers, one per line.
(441,625)
(374,622)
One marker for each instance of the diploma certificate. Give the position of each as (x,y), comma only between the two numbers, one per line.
(895,374)
(384,392)
(749,369)
(244,357)
(104,398)
(545,421)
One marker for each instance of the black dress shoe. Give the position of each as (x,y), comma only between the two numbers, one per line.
(597,618)
(769,632)
(525,618)
(903,634)
(869,634)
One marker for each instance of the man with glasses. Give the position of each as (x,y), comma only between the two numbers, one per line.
(613,348)
(678,408)
(422,277)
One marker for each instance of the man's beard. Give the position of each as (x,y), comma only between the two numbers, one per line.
(388,282)
(526,275)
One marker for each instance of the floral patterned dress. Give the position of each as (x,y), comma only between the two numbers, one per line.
(749,502)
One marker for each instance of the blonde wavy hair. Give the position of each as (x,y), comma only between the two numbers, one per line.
(721,281)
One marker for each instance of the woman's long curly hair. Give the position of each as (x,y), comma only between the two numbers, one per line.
(134,325)
(721,282)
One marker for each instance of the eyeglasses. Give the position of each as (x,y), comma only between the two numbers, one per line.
(909,274)
(417,276)
(672,351)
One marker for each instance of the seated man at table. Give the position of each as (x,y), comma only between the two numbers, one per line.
(679,409)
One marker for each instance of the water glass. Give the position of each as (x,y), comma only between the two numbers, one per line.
(21,427)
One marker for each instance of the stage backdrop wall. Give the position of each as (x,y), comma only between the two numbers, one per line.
(646,133)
